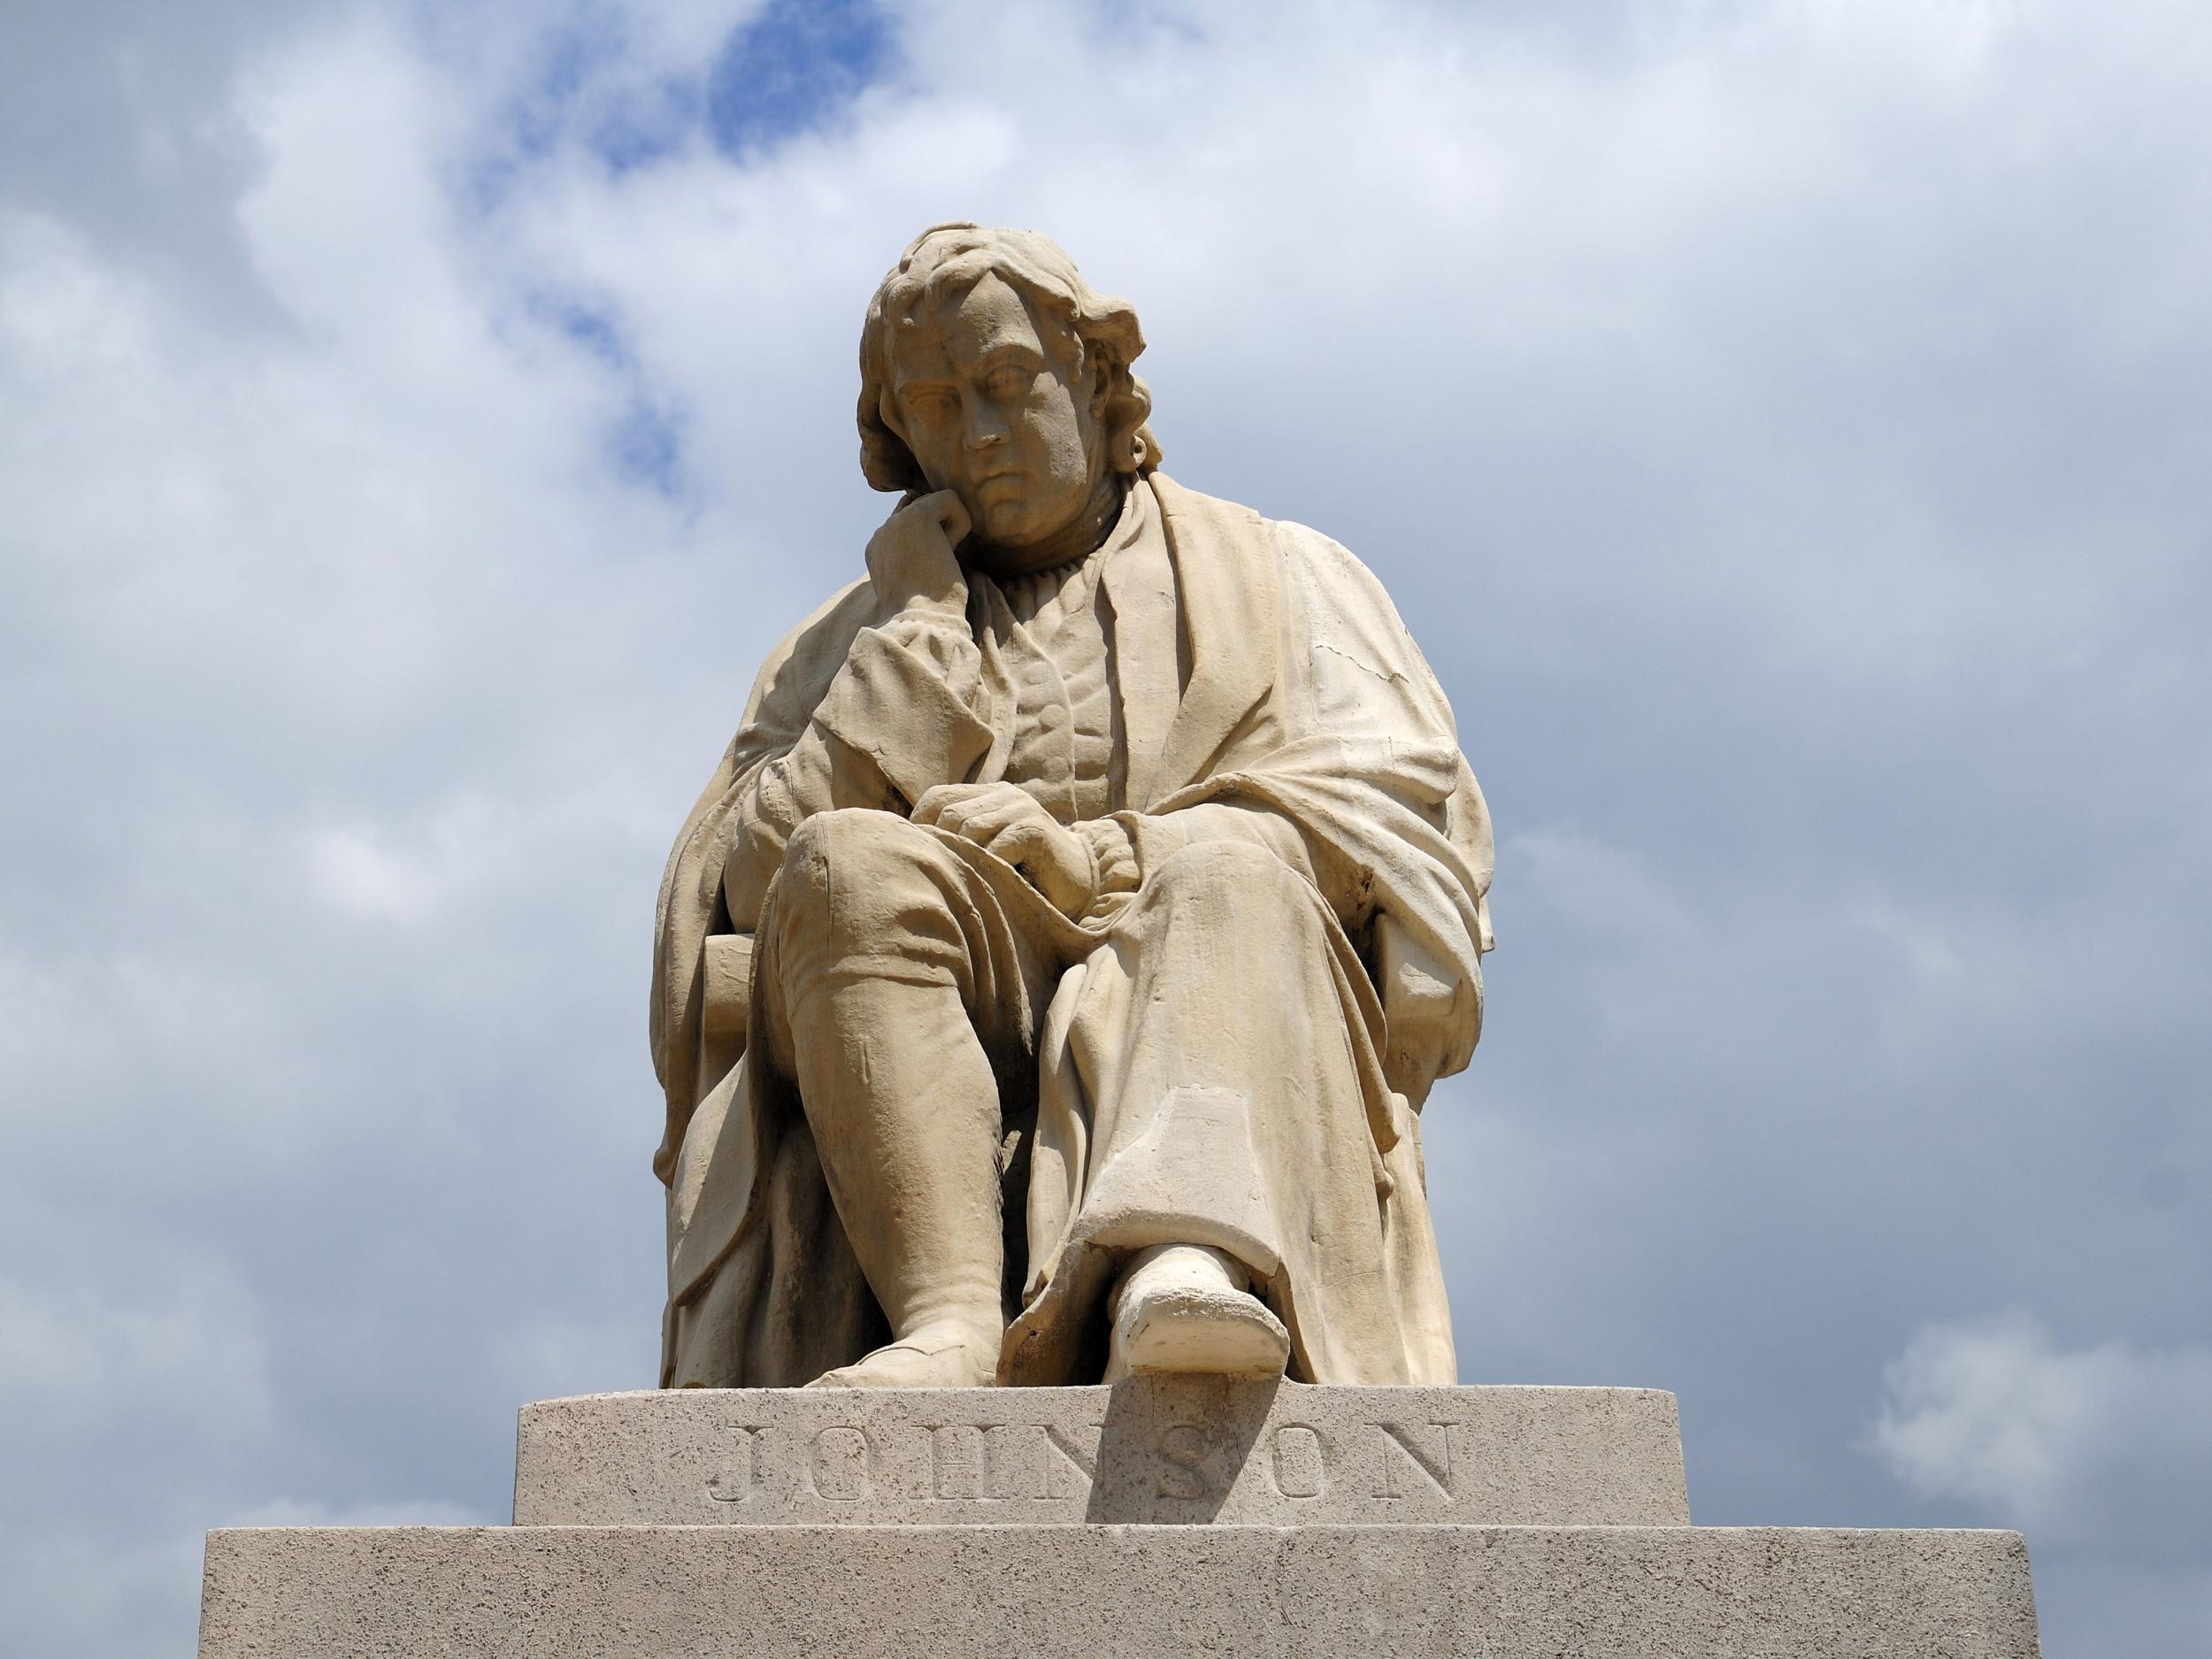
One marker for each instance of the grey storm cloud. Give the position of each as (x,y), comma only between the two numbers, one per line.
(1783,426)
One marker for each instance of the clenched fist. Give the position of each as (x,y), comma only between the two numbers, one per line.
(1010,821)
(910,557)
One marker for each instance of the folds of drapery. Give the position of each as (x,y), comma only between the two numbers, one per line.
(1212,1075)
(1304,719)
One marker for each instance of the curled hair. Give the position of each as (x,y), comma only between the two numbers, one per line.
(955,256)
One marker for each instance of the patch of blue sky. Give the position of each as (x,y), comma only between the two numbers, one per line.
(589,327)
(583,88)
(797,67)
(647,123)
(646,443)
(794,66)
(570,63)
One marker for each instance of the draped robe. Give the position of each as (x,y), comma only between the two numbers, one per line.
(1298,715)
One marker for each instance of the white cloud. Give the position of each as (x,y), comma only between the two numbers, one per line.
(2101,1454)
(2105,1449)
(355,872)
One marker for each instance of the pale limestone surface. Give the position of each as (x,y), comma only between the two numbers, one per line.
(1152,1591)
(1180,1449)
(1048,980)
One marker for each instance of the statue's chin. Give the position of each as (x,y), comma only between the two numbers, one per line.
(1007,543)
(1005,529)
(1010,523)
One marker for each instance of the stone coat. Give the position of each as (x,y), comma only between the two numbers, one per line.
(1300,717)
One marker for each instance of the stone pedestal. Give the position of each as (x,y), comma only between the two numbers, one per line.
(1157,1451)
(1164,1516)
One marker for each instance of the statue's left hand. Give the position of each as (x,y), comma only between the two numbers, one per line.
(1010,821)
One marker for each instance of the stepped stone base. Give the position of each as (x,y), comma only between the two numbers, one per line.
(1161,1517)
(953,1591)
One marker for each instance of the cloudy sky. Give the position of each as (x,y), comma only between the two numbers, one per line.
(1787,425)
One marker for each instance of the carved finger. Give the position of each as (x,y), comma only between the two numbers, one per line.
(1018,842)
(951,515)
(1011,796)
(934,799)
(987,821)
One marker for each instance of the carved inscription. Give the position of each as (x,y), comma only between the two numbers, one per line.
(733,1482)
(1014,1463)
(1410,1466)
(1294,1464)
(840,1465)
(1181,1460)
(1157,1451)
(946,1463)
(1414,1454)
(956,1462)
(1067,1460)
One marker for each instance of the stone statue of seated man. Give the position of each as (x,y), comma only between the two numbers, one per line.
(1048,979)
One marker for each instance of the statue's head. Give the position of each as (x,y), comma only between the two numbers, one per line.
(989,367)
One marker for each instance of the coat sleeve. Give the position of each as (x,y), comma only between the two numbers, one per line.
(902,713)
(853,709)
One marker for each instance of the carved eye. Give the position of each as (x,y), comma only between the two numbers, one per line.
(1008,381)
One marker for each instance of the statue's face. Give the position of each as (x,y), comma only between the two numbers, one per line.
(991,411)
